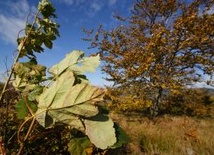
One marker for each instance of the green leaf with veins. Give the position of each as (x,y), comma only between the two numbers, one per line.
(69,60)
(22,110)
(68,100)
(73,103)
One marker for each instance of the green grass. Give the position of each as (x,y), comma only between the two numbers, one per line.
(167,135)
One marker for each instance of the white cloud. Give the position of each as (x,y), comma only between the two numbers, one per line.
(112,2)
(96,6)
(89,7)
(211,10)
(9,28)
(67,2)
(20,8)
(80,2)
(71,2)
(13,19)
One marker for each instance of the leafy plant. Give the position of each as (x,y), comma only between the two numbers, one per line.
(66,97)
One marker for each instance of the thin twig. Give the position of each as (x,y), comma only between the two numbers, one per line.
(26,136)
(30,129)
(21,127)
(27,105)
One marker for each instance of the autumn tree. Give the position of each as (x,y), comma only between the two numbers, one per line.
(193,102)
(162,45)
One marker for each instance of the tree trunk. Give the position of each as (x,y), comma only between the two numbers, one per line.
(155,108)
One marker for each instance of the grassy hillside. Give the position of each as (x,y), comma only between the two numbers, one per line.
(166,135)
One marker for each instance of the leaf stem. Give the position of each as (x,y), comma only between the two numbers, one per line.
(27,135)
(27,105)
(21,126)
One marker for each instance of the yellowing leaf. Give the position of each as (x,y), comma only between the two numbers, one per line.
(68,61)
(74,62)
(65,102)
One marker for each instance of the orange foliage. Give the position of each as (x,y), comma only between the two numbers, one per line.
(162,45)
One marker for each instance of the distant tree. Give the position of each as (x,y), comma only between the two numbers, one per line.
(193,102)
(164,44)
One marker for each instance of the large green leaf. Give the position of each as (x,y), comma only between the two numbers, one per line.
(74,62)
(73,103)
(100,130)
(86,64)
(21,108)
(84,93)
(78,146)
(63,116)
(57,92)
(65,102)
(43,118)
(69,60)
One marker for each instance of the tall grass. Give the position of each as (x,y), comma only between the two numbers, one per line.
(167,135)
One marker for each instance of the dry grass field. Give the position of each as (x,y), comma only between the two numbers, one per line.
(166,135)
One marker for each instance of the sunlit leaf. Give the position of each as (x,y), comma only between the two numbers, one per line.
(65,117)
(68,61)
(43,118)
(74,62)
(65,102)
(100,130)
(87,64)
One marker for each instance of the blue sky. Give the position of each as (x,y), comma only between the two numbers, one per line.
(72,16)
